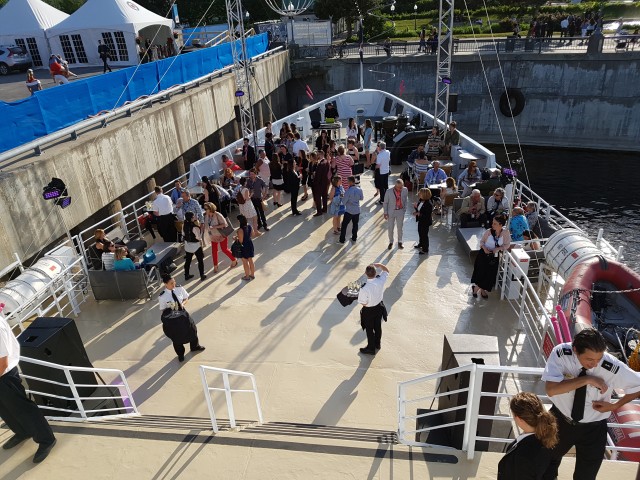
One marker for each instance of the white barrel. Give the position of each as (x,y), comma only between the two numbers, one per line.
(29,283)
(568,248)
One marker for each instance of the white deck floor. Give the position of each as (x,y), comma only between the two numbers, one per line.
(288,329)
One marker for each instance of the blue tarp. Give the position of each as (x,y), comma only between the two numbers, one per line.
(54,108)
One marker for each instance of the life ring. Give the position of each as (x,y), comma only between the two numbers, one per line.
(514,98)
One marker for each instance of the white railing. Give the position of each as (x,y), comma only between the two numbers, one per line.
(558,221)
(60,297)
(533,315)
(425,391)
(117,391)
(227,393)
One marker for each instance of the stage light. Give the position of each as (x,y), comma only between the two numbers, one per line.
(239,93)
(66,201)
(446,80)
(51,193)
(57,190)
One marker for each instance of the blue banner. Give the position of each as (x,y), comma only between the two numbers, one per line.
(55,108)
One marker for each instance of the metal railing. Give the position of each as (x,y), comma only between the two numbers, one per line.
(425,391)
(227,393)
(482,45)
(72,132)
(534,315)
(557,220)
(60,297)
(117,391)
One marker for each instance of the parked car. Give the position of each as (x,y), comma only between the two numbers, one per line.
(13,58)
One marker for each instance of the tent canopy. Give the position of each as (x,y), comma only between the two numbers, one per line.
(108,15)
(28,18)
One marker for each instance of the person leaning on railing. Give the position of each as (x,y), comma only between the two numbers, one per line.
(22,416)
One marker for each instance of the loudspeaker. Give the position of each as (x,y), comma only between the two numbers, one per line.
(55,340)
(453,103)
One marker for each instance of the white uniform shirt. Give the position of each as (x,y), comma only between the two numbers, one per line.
(383,159)
(563,364)
(299,145)
(9,346)
(163,204)
(166,299)
(371,294)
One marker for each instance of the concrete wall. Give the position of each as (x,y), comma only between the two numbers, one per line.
(586,101)
(103,164)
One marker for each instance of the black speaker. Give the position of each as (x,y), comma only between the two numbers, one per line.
(453,102)
(55,340)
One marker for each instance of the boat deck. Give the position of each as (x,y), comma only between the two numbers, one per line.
(329,412)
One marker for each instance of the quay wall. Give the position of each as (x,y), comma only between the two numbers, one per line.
(572,100)
(119,162)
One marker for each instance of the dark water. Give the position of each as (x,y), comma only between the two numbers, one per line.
(593,189)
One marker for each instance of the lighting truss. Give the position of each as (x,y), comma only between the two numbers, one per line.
(241,69)
(445,52)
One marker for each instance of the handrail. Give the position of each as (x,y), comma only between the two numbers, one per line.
(510,384)
(73,130)
(227,392)
(84,414)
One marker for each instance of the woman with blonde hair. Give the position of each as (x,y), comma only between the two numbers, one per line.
(214,222)
(423,211)
(122,262)
(528,457)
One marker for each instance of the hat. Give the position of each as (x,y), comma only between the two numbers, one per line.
(29,71)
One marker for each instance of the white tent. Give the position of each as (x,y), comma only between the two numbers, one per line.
(23,23)
(116,22)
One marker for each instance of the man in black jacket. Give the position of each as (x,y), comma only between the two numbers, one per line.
(103,52)
(249,155)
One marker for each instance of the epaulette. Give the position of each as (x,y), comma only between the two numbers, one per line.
(607,365)
(564,351)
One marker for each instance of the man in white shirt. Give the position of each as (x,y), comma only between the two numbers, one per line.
(373,309)
(163,209)
(383,161)
(580,378)
(22,416)
(299,145)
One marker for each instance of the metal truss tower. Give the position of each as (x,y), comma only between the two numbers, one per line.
(241,69)
(445,52)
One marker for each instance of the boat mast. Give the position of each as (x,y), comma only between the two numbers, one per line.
(241,69)
(443,62)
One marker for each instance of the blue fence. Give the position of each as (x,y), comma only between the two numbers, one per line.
(50,110)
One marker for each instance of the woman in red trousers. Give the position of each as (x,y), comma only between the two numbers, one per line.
(214,222)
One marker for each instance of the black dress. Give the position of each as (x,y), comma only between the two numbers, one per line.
(424,222)
(485,268)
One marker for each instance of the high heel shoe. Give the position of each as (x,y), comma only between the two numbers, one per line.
(474,292)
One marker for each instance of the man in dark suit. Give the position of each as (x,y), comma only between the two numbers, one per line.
(249,155)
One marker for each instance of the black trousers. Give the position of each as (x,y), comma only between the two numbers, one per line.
(371,320)
(22,416)
(320,197)
(294,199)
(193,343)
(383,184)
(167,228)
(349,217)
(589,439)
(423,235)
(105,66)
(187,261)
(262,219)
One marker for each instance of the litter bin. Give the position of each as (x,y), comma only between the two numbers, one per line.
(529,44)
(596,43)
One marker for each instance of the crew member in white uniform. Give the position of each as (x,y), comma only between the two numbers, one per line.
(580,378)
(373,309)
(22,416)
(163,209)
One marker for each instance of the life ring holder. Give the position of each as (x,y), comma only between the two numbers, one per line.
(512,95)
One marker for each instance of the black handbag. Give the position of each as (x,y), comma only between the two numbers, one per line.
(236,249)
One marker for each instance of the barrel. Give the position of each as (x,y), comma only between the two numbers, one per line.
(29,283)
(626,437)
(568,248)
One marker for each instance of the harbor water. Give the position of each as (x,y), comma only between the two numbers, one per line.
(593,189)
